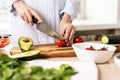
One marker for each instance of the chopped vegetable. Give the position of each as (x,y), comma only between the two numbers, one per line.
(90,48)
(29,55)
(25,43)
(4,42)
(61,43)
(102,49)
(93,49)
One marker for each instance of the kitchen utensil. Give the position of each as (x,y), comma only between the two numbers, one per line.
(47,30)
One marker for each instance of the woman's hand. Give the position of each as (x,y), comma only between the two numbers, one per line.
(26,12)
(66,28)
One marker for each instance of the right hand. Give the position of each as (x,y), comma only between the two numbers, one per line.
(26,12)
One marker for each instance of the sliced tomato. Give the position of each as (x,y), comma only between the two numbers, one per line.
(61,43)
(102,49)
(90,48)
(1,44)
(5,41)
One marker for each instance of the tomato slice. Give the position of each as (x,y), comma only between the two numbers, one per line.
(61,43)
(90,48)
(1,44)
(5,41)
(102,49)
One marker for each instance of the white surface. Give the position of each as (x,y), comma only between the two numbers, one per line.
(117,60)
(4,28)
(102,9)
(83,25)
(86,70)
(96,56)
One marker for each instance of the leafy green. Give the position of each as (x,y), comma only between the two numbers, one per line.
(13,69)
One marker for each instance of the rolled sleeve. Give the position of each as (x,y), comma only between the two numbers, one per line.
(72,7)
(8,4)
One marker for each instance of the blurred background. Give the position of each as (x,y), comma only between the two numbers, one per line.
(96,18)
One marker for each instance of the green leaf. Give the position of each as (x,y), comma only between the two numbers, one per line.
(7,72)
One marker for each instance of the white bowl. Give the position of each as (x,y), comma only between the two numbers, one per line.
(117,60)
(96,56)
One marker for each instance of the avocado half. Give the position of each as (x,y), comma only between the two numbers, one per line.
(26,56)
(25,43)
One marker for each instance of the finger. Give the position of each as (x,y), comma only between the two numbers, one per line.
(67,33)
(25,18)
(29,17)
(22,18)
(62,32)
(72,34)
(36,15)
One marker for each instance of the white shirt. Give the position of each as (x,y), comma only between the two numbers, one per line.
(49,10)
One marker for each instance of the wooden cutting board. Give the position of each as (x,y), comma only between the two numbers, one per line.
(49,50)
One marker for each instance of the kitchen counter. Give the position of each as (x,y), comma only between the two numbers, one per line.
(107,71)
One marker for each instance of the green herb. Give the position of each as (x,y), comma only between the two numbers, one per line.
(14,69)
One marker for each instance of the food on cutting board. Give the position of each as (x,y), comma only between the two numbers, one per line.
(110,39)
(26,56)
(61,43)
(93,49)
(14,69)
(25,43)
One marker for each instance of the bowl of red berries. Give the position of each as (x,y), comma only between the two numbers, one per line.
(92,51)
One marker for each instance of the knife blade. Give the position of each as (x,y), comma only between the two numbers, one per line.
(43,27)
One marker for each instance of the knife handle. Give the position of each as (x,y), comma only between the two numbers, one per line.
(34,20)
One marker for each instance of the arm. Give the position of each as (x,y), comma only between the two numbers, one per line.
(23,10)
(72,7)
(7,4)
(69,13)
(26,12)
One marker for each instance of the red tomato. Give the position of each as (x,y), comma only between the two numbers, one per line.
(102,49)
(5,41)
(78,40)
(61,43)
(90,48)
(1,44)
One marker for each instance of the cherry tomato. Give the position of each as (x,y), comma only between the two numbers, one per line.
(78,40)
(5,41)
(1,44)
(90,48)
(61,43)
(102,49)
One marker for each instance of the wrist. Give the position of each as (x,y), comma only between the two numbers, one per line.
(66,19)
(16,3)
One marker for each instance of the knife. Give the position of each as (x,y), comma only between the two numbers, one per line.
(47,30)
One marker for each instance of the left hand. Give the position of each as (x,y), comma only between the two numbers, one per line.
(67,30)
